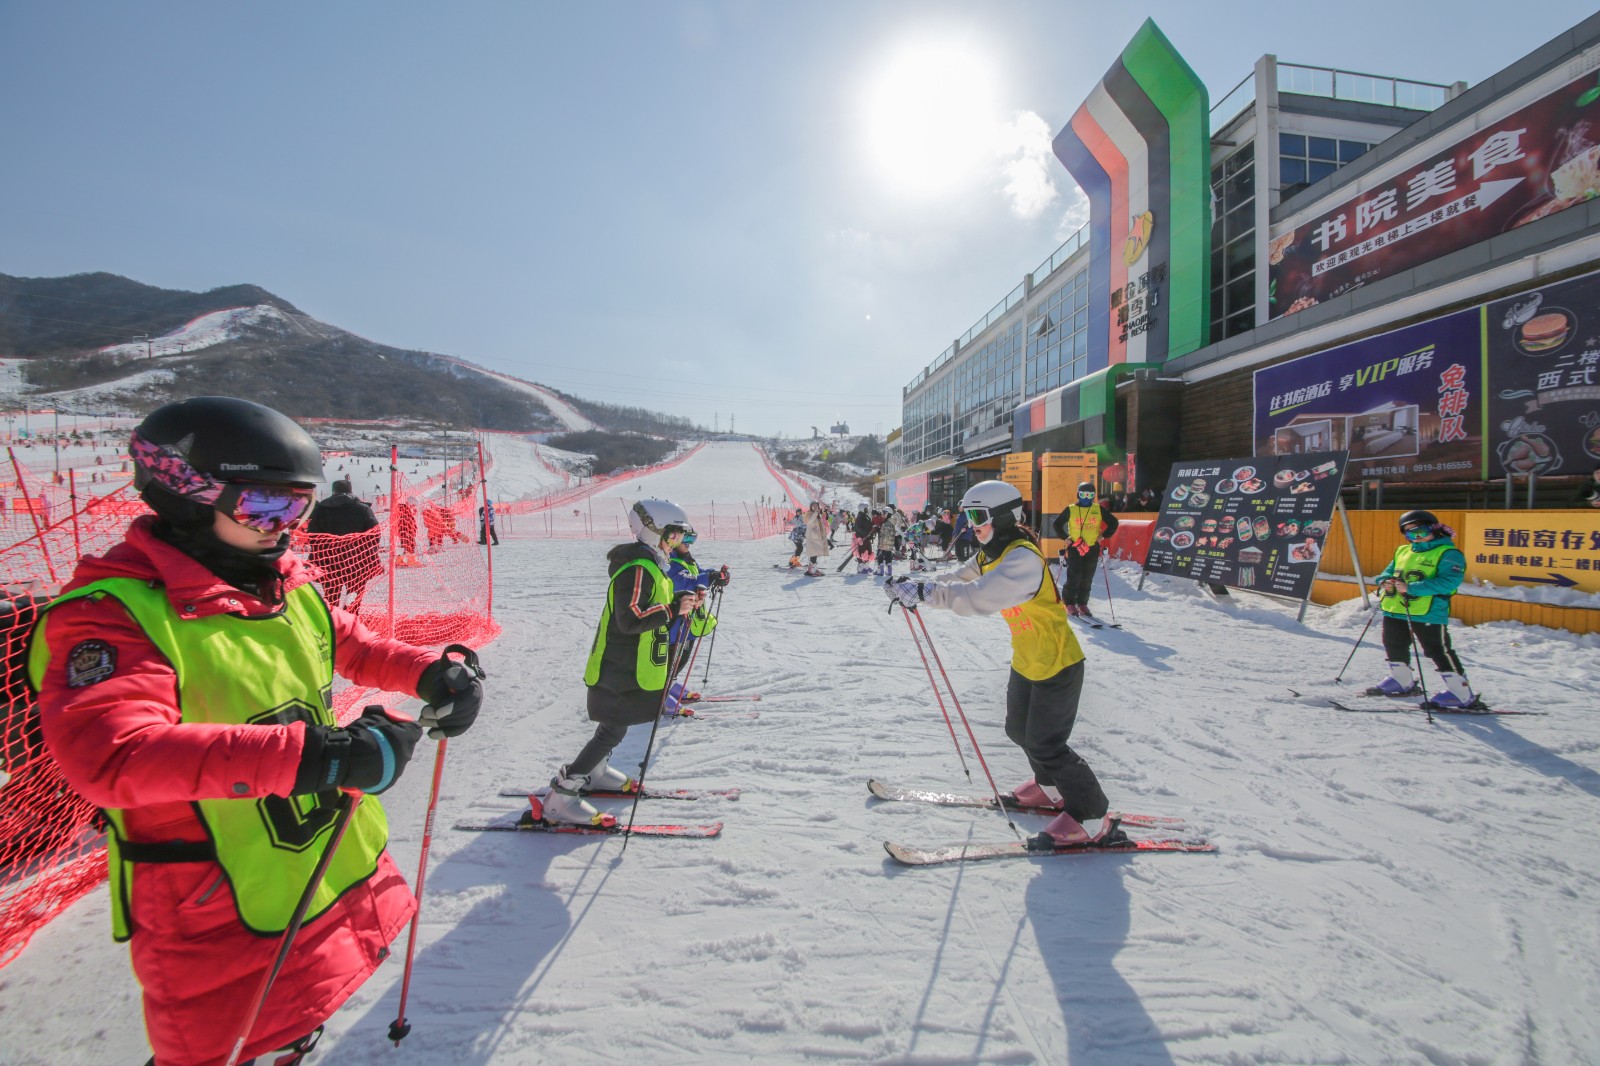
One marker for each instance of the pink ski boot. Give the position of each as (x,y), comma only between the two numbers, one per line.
(1031,794)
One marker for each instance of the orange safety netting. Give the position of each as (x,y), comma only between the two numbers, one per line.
(420,576)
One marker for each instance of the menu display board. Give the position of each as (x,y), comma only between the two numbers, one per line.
(1257,524)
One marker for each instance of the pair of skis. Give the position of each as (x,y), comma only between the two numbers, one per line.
(523,821)
(1110,838)
(1364,703)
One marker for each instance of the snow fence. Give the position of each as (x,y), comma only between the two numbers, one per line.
(419,576)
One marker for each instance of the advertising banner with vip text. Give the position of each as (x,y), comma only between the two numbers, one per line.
(1407,405)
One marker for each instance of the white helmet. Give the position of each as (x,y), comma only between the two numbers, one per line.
(1002,502)
(650,520)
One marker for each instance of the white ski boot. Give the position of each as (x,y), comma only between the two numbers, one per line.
(1400,682)
(607,778)
(565,804)
(1456,695)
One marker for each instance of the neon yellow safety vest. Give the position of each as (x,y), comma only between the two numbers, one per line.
(1042,641)
(234,670)
(650,660)
(1413,565)
(1083,523)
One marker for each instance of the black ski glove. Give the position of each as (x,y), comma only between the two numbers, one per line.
(367,755)
(720,578)
(453,693)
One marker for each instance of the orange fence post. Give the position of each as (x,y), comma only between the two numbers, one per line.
(44,549)
(484,525)
(394,525)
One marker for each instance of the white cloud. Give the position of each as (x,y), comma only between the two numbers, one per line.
(1027,165)
(1076,216)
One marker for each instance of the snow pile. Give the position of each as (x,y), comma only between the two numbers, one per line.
(203,332)
(1385,890)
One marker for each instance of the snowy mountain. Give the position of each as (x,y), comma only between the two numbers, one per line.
(99,341)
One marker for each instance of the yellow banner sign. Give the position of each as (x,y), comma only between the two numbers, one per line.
(1534,549)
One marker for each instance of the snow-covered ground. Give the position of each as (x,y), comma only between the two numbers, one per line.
(1385,890)
(568,414)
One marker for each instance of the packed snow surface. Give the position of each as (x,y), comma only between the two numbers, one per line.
(1384,890)
(212,328)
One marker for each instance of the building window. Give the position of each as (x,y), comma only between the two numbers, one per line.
(1233,244)
(1058,337)
(1305,160)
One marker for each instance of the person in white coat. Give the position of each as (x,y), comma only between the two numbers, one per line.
(816,542)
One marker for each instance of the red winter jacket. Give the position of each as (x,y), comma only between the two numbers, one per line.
(120,743)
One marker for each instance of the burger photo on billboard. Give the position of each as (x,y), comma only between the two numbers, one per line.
(1544,333)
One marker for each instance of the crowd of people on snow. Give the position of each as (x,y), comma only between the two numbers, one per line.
(184,686)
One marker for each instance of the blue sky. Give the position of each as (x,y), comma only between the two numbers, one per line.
(709,207)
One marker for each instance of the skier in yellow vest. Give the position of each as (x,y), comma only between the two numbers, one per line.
(628,662)
(185,687)
(1008,577)
(1417,585)
(1084,525)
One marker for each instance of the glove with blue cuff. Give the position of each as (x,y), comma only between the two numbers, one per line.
(367,755)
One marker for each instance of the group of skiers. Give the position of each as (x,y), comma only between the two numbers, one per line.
(184,686)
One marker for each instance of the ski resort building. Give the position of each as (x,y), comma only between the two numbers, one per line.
(1320,259)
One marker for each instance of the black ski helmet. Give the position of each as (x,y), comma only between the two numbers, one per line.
(1418,518)
(184,452)
(1086,486)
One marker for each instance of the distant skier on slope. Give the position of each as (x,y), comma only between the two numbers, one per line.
(861,540)
(1008,577)
(1417,585)
(627,669)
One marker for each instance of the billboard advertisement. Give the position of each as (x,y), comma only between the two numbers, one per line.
(1534,162)
(1257,523)
(1557,549)
(1406,405)
(911,493)
(1543,351)
(1139,147)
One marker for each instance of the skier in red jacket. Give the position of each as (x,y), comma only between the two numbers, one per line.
(185,687)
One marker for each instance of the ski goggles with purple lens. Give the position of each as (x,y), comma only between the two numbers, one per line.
(265,508)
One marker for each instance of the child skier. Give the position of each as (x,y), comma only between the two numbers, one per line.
(1417,585)
(184,684)
(1008,577)
(688,579)
(628,664)
(861,540)
(797,537)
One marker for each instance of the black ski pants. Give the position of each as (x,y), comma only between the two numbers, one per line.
(1432,637)
(1039,719)
(1080,575)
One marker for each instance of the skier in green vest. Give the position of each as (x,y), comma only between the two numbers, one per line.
(628,662)
(1417,585)
(185,688)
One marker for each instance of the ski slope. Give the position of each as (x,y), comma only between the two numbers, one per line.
(1385,890)
(722,472)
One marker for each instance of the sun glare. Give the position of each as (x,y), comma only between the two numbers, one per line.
(930,117)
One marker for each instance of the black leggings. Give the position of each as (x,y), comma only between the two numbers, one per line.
(1080,575)
(600,746)
(1039,719)
(1433,637)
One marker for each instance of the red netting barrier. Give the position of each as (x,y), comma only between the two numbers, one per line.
(420,576)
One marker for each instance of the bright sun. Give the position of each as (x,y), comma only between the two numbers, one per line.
(930,117)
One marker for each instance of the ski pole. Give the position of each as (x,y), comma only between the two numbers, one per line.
(672,668)
(976,750)
(716,613)
(937,695)
(1105,572)
(400,1028)
(1416,649)
(1340,679)
(348,801)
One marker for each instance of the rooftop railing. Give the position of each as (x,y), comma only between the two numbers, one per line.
(1362,88)
(1015,297)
